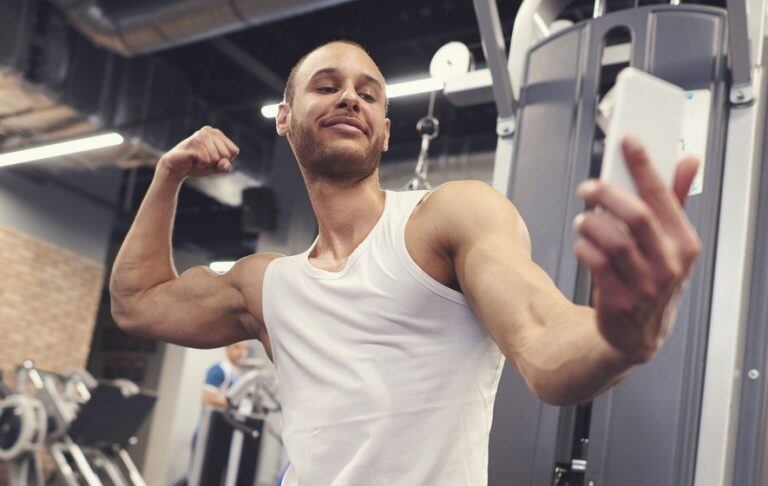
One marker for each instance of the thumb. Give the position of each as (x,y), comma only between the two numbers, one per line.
(684,175)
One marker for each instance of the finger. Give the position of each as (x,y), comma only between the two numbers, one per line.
(599,266)
(213,152)
(223,166)
(233,149)
(650,187)
(616,244)
(630,210)
(684,176)
(221,148)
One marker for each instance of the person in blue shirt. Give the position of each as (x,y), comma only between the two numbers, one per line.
(222,375)
(218,379)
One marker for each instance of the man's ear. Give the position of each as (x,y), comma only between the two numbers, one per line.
(387,125)
(283,118)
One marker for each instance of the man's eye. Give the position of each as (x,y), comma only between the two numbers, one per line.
(326,89)
(368,97)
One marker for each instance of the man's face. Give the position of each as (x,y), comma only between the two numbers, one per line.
(337,124)
(236,352)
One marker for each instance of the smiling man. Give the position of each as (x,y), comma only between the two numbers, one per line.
(390,331)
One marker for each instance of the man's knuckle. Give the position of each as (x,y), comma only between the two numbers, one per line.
(640,219)
(601,265)
(649,293)
(622,307)
(691,249)
(674,272)
(618,249)
(600,190)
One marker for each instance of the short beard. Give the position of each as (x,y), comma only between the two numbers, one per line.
(320,162)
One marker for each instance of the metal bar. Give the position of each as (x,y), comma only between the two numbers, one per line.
(86,472)
(719,414)
(103,462)
(66,474)
(502,167)
(751,444)
(741,63)
(598,10)
(494,49)
(133,472)
(198,457)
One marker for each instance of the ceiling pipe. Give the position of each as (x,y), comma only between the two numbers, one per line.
(145,26)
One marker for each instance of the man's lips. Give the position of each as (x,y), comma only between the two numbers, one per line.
(348,125)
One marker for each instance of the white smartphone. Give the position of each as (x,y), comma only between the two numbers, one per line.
(651,109)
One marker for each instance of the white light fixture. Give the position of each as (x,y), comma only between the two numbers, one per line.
(269,111)
(61,148)
(394,90)
(221,267)
(417,86)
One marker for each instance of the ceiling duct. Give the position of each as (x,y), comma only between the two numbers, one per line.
(140,27)
(56,85)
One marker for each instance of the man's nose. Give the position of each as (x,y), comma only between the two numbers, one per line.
(349,100)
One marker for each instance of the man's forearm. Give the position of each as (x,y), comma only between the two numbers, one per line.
(570,362)
(144,259)
(214,399)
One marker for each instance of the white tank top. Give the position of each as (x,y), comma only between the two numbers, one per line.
(386,376)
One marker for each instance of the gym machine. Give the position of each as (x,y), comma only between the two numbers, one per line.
(23,427)
(85,425)
(241,445)
(696,414)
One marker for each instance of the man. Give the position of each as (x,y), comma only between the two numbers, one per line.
(222,375)
(389,332)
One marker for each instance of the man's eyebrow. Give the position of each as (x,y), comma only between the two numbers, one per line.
(330,70)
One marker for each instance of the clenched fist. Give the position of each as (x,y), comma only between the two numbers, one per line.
(207,152)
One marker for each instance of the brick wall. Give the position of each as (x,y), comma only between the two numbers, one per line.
(48,303)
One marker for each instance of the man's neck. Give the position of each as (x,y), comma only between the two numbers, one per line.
(345,213)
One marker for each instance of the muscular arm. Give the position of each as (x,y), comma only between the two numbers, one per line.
(554,343)
(639,258)
(199,307)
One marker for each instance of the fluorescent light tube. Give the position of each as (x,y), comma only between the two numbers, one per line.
(61,148)
(407,88)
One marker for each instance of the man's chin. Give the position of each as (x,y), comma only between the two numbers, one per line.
(345,151)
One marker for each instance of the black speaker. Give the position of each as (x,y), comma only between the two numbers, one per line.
(259,210)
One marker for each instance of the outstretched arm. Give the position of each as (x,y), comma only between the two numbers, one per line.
(568,353)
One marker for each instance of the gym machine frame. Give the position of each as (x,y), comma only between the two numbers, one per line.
(733,405)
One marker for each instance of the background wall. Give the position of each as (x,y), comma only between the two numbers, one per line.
(48,303)
(53,241)
(177,412)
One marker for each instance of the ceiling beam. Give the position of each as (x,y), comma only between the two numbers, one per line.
(244,59)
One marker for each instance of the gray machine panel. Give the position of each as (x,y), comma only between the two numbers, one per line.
(750,466)
(524,430)
(643,431)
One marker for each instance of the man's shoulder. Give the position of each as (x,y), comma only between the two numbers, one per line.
(251,268)
(464,198)
(464,210)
